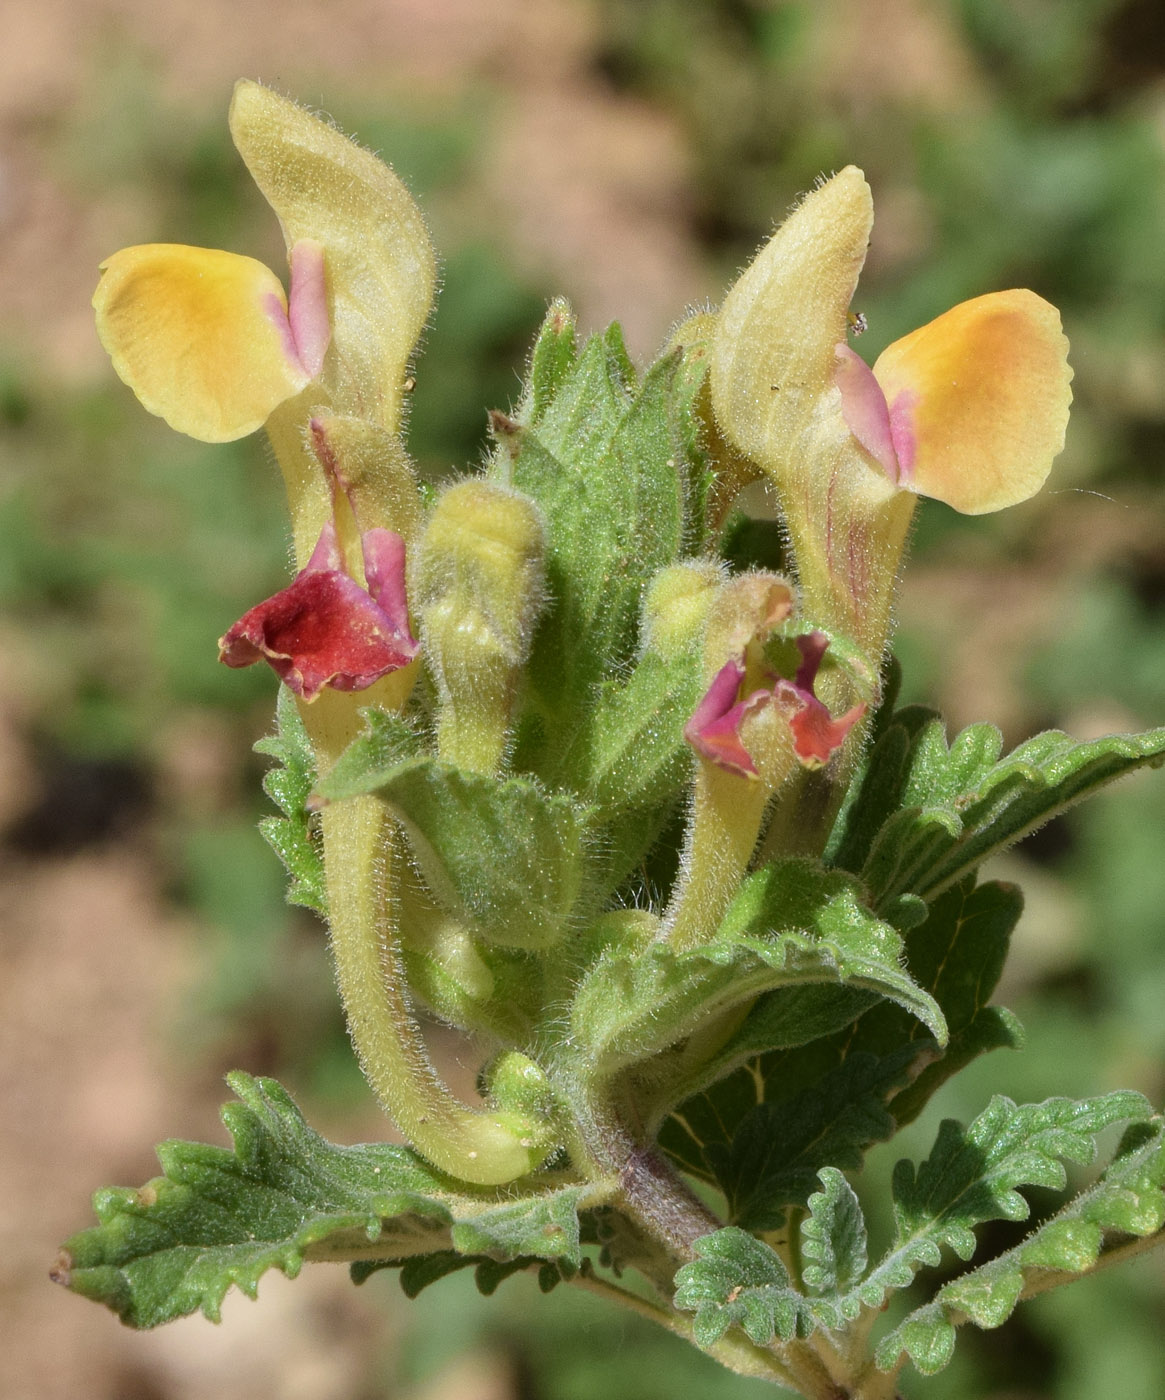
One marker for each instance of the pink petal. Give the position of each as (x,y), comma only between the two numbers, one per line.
(384,570)
(714,730)
(321,630)
(817,736)
(864,408)
(307,305)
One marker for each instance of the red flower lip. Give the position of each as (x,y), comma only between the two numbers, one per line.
(323,629)
(714,729)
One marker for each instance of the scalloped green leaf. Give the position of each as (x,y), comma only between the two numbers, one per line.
(737,1281)
(956,956)
(972,1176)
(781,1146)
(961,803)
(792,926)
(833,1237)
(609,462)
(293,836)
(283,1195)
(1123,1210)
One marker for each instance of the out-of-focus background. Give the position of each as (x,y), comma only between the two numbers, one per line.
(632,155)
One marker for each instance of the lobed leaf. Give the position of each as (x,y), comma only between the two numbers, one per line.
(781,1146)
(736,1280)
(792,925)
(293,836)
(1126,1206)
(218,1217)
(807,1036)
(833,1237)
(961,803)
(972,1176)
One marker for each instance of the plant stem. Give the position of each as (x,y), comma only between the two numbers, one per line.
(475,1145)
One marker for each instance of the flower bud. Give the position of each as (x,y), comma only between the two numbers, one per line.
(478,590)
(675,609)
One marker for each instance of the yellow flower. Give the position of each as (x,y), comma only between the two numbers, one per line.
(970,409)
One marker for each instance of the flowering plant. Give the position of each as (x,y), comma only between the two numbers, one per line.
(641,821)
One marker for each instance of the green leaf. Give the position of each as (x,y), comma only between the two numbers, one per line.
(1126,1206)
(417,1273)
(961,804)
(877,788)
(780,1147)
(972,1174)
(637,757)
(502,855)
(736,1280)
(387,742)
(792,925)
(833,1237)
(808,1035)
(607,462)
(283,1196)
(293,836)
(551,361)
(786,896)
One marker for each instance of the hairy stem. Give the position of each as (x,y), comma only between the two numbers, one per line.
(475,1145)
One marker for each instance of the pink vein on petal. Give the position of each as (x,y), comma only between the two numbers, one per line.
(902,433)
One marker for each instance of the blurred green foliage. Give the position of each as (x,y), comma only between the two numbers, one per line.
(1021,144)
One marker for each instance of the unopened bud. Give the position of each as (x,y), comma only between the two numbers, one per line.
(675,609)
(478,590)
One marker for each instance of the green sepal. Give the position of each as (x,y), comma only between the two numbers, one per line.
(1125,1207)
(293,836)
(501,854)
(218,1217)
(972,1176)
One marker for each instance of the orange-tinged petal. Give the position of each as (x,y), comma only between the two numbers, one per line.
(978,401)
(201,337)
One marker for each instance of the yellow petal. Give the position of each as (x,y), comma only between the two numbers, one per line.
(978,401)
(200,336)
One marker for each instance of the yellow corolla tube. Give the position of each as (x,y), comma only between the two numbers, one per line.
(205,339)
